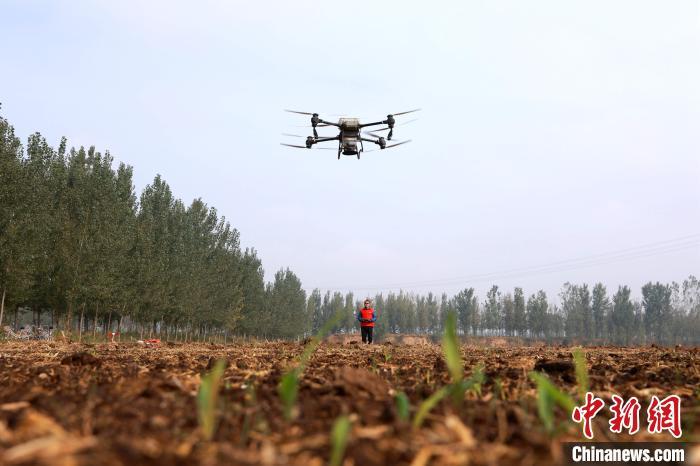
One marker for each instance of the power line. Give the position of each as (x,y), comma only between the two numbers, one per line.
(621,255)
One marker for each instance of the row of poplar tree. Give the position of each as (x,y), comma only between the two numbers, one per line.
(77,244)
(666,314)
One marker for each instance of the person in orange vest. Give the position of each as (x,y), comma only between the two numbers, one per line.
(367,318)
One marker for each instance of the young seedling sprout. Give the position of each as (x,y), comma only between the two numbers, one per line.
(403,406)
(459,385)
(207,400)
(339,440)
(581,370)
(450,348)
(548,396)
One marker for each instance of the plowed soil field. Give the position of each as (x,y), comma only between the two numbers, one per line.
(125,404)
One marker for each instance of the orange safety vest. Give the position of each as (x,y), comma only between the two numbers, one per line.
(367,314)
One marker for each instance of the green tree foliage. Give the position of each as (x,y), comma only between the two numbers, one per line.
(77,242)
(519,313)
(286,306)
(656,299)
(537,307)
(600,308)
(467,307)
(492,316)
(622,317)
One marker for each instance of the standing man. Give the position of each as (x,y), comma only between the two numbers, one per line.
(367,319)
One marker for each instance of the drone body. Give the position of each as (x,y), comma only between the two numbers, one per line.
(350,137)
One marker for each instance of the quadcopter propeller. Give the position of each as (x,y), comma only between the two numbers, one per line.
(387,128)
(390,121)
(409,111)
(300,113)
(389,147)
(300,136)
(304,147)
(398,144)
(315,120)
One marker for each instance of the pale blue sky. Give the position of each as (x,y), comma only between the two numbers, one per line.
(550,130)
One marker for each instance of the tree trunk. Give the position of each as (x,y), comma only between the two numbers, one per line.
(69,317)
(94,323)
(2,306)
(80,329)
(108,328)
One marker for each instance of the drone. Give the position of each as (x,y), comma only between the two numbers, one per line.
(351,136)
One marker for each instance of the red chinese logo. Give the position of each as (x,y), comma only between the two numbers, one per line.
(665,415)
(662,415)
(624,415)
(587,412)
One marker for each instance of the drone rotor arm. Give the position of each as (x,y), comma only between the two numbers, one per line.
(327,139)
(384,122)
(374,141)
(327,123)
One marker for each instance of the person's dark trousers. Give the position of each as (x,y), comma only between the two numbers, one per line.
(366,334)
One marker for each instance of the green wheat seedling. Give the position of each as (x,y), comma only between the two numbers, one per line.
(581,370)
(403,406)
(549,396)
(339,440)
(207,399)
(288,388)
(429,404)
(450,348)
(474,382)
(457,391)
(459,385)
(387,355)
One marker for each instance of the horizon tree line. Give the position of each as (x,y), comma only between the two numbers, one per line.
(666,314)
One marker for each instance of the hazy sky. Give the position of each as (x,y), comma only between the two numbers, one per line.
(550,130)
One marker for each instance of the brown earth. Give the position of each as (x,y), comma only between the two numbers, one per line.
(123,404)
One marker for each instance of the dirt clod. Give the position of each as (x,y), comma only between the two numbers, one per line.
(80,358)
(554,366)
